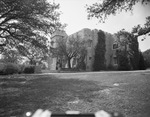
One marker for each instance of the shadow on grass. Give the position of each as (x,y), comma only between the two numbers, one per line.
(46,92)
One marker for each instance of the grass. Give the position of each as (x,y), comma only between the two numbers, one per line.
(47,92)
(87,93)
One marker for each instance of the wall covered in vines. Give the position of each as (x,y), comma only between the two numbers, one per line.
(129,59)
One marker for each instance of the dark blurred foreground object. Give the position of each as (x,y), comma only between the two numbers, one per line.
(100,113)
(85,115)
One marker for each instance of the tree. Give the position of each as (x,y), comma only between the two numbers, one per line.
(22,21)
(11,56)
(99,58)
(128,53)
(69,48)
(106,8)
(142,65)
(103,9)
(142,30)
(33,54)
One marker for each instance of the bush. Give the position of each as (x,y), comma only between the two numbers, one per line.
(21,68)
(8,68)
(29,69)
(37,69)
(2,66)
(111,67)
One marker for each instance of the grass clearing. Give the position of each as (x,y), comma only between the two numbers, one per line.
(47,92)
(87,93)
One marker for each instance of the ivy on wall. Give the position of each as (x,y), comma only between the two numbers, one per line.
(123,61)
(129,59)
(135,55)
(99,59)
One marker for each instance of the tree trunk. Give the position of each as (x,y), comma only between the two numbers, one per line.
(69,65)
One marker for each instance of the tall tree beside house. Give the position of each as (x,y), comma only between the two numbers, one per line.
(142,62)
(129,56)
(22,21)
(70,47)
(99,58)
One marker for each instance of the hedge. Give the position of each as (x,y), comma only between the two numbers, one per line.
(29,69)
(8,68)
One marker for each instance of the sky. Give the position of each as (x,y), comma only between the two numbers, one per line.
(74,14)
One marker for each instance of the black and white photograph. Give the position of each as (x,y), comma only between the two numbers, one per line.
(74,58)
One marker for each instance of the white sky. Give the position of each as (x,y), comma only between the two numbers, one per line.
(75,16)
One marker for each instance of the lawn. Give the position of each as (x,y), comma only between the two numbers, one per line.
(128,93)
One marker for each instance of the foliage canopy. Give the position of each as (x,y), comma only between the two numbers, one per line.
(146,55)
(100,49)
(105,8)
(101,11)
(23,24)
(70,47)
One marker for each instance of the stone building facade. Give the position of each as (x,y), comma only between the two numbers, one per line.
(91,38)
(53,60)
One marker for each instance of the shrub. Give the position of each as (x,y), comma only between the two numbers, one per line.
(21,68)
(37,69)
(8,68)
(146,56)
(29,69)
(11,68)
